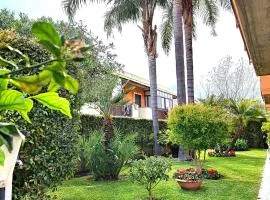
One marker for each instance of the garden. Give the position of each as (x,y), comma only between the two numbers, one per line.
(210,149)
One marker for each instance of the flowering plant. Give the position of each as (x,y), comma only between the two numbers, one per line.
(211,174)
(189,174)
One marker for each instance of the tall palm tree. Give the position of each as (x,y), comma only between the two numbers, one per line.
(124,11)
(242,112)
(205,9)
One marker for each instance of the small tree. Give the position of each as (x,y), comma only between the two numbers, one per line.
(197,127)
(150,172)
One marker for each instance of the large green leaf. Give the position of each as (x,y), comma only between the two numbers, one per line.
(55,50)
(71,84)
(33,84)
(44,31)
(3,81)
(14,100)
(54,102)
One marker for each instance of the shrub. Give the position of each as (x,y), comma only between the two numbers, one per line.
(241,145)
(230,153)
(104,165)
(150,172)
(197,127)
(142,127)
(49,153)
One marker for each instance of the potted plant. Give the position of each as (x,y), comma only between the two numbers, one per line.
(212,174)
(189,179)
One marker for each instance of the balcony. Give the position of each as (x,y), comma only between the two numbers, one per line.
(138,112)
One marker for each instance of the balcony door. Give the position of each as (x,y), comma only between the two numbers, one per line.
(138,100)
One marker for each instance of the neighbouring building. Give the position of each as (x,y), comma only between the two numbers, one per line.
(253,20)
(139,100)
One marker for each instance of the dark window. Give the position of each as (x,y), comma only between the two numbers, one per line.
(138,100)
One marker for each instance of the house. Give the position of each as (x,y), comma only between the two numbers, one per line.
(138,99)
(138,105)
(253,20)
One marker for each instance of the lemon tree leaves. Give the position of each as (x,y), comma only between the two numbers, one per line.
(54,102)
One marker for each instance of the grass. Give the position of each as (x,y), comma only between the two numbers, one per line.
(242,177)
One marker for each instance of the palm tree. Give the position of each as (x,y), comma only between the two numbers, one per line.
(124,11)
(205,9)
(242,112)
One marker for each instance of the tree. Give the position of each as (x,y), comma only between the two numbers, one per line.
(125,11)
(109,95)
(242,112)
(232,80)
(185,10)
(197,127)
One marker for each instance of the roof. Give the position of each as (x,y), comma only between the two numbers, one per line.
(253,20)
(144,82)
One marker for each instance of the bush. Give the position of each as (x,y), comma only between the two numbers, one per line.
(150,172)
(230,153)
(241,145)
(104,165)
(49,153)
(197,127)
(142,127)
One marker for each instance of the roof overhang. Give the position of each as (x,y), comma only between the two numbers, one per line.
(253,19)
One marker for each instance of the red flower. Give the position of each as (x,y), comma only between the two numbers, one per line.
(211,171)
(181,172)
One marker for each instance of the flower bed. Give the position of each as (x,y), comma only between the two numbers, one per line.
(213,153)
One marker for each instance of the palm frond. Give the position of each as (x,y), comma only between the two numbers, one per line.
(208,11)
(167,28)
(71,6)
(122,12)
(225,4)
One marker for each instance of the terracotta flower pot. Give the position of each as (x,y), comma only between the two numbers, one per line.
(189,185)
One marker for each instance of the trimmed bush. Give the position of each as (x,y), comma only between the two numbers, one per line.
(142,127)
(49,154)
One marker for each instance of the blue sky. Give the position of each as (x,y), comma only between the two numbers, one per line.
(208,50)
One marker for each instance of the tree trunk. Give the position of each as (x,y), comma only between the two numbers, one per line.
(108,131)
(153,96)
(179,51)
(189,63)
(179,60)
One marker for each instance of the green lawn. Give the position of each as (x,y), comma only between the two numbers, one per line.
(242,177)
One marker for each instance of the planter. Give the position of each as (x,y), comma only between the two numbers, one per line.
(189,185)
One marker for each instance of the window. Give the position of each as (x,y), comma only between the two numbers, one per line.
(148,101)
(138,100)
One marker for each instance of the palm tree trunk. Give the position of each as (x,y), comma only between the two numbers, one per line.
(189,61)
(153,96)
(179,51)
(179,59)
(108,131)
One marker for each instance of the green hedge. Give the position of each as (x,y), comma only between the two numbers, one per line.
(49,154)
(143,127)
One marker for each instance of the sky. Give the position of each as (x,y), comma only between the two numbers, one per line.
(208,50)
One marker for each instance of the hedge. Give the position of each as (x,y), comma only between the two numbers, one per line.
(49,154)
(143,127)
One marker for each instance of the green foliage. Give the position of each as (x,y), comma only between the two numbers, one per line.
(241,145)
(142,127)
(197,127)
(103,164)
(49,154)
(150,172)
(266,128)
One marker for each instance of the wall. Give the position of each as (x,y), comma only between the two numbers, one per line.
(131,95)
